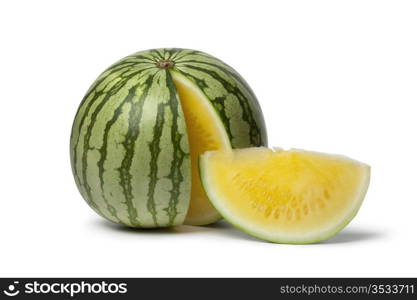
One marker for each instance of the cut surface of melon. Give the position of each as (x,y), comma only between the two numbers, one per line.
(281,196)
(205,132)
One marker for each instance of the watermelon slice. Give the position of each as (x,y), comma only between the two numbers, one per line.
(293,197)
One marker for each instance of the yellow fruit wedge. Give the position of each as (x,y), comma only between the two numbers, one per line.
(293,197)
(205,132)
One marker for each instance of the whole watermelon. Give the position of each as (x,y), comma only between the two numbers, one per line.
(129,144)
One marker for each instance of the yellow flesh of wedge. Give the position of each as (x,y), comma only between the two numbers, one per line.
(290,196)
(205,132)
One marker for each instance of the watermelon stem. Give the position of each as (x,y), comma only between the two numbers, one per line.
(165,64)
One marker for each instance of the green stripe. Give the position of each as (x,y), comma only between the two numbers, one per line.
(173,53)
(178,154)
(157,54)
(86,149)
(135,116)
(155,149)
(103,149)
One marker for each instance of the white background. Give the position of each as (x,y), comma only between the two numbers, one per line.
(332,76)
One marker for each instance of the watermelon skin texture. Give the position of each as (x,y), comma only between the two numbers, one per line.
(129,147)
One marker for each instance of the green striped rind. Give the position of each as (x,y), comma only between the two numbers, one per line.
(230,95)
(129,147)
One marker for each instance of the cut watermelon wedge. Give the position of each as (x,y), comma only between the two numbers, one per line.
(293,197)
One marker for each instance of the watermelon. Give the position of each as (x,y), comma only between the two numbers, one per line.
(292,197)
(141,127)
